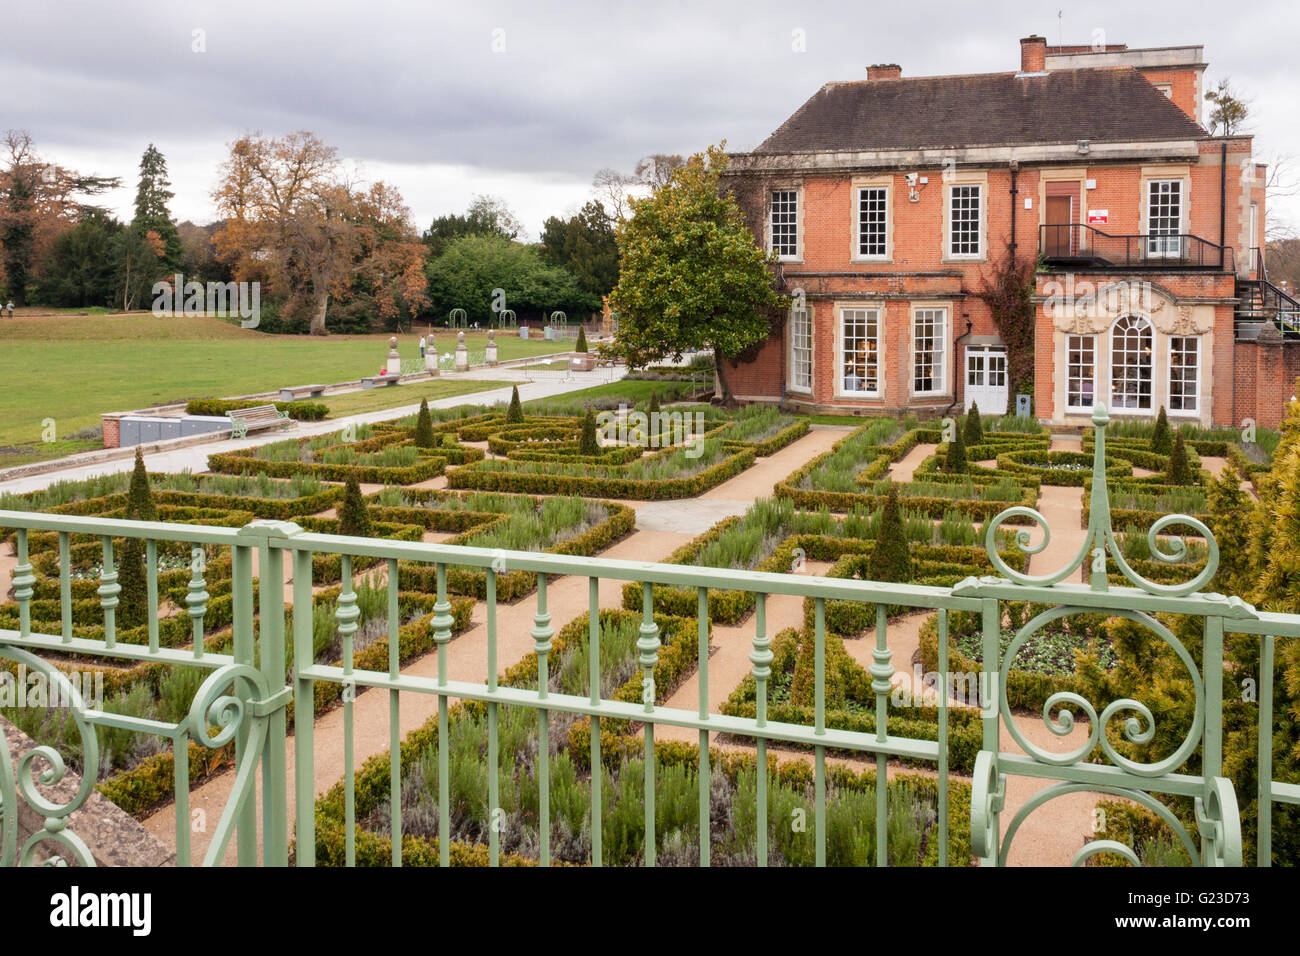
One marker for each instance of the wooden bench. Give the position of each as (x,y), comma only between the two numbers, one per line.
(301,391)
(373,380)
(245,420)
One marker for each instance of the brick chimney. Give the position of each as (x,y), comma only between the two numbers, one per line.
(1033,54)
(884,71)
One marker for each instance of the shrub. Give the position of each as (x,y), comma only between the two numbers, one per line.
(354,519)
(1161,438)
(139,501)
(974,430)
(954,460)
(515,413)
(424,426)
(134,598)
(891,559)
(299,411)
(1180,470)
(582,340)
(654,402)
(588,445)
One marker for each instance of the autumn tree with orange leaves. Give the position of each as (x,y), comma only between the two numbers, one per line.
(295,222)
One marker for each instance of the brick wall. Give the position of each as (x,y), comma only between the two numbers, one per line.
(917,270)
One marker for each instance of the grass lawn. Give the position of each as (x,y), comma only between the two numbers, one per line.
(71,368)
(610,394)
(372,400)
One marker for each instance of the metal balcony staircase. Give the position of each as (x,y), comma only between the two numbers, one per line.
(1259,301)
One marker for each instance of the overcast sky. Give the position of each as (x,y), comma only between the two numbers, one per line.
(527,100)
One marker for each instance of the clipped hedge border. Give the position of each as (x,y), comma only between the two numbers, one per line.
(773,444)
(511,585)
(639,489)
(1018,463)
(299,411)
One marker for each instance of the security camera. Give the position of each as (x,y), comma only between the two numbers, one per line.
(911,179)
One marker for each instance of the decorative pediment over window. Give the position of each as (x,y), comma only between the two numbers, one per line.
(1085,308)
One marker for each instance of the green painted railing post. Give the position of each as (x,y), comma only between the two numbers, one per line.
(761,658)
(271,645)
(542,633)
(196,601)
(442,622)
(241,574)
(1212,751)
(304,713)
(882,673)
(1264,755)
(108,591)
(23,579)
(346,614)
(648,646)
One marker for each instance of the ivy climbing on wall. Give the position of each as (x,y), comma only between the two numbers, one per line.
(1008,293)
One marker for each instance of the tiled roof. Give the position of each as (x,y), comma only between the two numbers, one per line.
(991,109)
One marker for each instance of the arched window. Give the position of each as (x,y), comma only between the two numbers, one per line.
(1130,364)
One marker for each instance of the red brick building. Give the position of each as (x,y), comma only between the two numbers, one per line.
(891,202)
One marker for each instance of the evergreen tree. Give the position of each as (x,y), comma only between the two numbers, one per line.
(1162,439)
(891,558)
(654,402)
(139,498)
(515,413)
(1180,469)
(133,601)
(582,340)
(974,429)
(954,460)
(588,444)
(424,426)
(151,213)
(354,518)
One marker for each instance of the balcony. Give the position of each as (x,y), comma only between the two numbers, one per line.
(1074,245)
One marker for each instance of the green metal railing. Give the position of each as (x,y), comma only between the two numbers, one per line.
(244,698)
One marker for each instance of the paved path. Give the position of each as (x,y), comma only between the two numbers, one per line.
(195,457)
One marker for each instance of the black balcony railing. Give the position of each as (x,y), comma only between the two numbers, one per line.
(1077,244)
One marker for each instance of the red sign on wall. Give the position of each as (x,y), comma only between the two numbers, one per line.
(1098,217)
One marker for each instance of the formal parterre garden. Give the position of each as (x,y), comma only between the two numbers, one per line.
(548,479)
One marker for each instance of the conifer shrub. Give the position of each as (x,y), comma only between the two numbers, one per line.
(974,430)
(424,426)
(1180,470)
(133,600)
(582,340)
(354,519)
(1162,439)
(654,402)
(954,461)
(515,413)
(588,445)
(891,559)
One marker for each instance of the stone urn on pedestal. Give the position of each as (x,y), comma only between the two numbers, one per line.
(490,353)
(394,366)
(462,353)
(431,356)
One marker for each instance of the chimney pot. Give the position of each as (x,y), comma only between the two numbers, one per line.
(1033,54)
(884,71)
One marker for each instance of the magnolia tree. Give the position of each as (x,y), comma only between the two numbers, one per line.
(691,275)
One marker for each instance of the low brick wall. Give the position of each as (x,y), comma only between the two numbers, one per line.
(114,837)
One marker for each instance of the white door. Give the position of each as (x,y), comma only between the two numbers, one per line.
(986,380)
